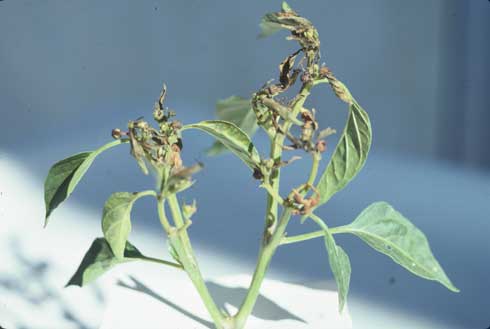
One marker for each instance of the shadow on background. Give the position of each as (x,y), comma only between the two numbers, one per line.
(265,308)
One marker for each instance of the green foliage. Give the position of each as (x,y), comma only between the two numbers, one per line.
(64,176)
(290,125)
(100,259)
(232,137)
(236,110)
(340,265)
(390,233)
(116,220)
(349,155)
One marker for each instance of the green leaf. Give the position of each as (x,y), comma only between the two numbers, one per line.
(349,155)
(232,137)
(338,259)
(100,259)
(116,220)
(64,176)
(285,7)
(340,265)
(268,26)
(239,111)
(389,232)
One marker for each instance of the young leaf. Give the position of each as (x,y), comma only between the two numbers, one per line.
(237,110)
(349,155)
(64,176)
(232,137)
(387,231)
(340,265)
(100,259)
(116,220)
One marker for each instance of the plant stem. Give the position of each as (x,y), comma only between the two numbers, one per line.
(161,261)
(161,215)
(274,229)
(180,241)
(263,262)
(302,237)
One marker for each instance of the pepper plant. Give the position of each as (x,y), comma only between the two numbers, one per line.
(290,125)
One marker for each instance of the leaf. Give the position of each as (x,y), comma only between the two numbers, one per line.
(349,155)
(341,269)
(290,20)
(116,220)
(100,259)
(232,137)
(237,110)
(389,232)
(64,176)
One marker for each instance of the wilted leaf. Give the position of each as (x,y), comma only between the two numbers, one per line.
(340,265)
(349,155)
(64,176)
(239,111)
(231,136)
(116,220)
(387,231)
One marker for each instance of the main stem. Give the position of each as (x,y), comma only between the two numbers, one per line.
(274,228)
(180,241)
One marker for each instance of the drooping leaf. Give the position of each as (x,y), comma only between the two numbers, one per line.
(349,155)
(116,220)
(389,232)
(232,137)
(341,269)
(64,176)
(237,110)
(100,259)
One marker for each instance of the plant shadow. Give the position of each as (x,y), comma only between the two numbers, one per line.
(265,308)
(141,287)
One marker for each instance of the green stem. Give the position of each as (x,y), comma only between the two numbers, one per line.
(160,261)
(111,144)
(263,262)
(179,239)
(302,237)
(274,228)
(162,216)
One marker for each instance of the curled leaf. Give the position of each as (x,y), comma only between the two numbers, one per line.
(350,154)
(237,110)
(232,137)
